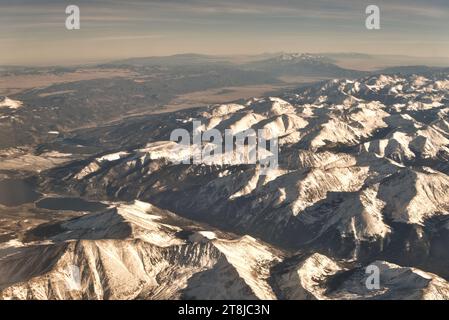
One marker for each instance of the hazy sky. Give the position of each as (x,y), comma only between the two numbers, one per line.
(33,31)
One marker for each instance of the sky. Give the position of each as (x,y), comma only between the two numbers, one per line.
(33,32)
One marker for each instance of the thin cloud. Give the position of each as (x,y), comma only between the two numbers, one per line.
(126,37)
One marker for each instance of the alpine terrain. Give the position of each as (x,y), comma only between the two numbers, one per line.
(361,189)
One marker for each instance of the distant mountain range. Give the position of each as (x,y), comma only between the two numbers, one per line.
(289,64)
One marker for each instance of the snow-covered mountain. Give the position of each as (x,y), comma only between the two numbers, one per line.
(302,64)
(6,102)
(363,179)
(138,251)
